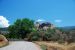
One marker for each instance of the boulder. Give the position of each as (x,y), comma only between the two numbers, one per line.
(3,41)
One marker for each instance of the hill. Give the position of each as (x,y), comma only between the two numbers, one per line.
(4,30)
(67,28)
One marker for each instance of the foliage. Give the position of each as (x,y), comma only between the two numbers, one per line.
(70,36)
(44,35)
(21,27)
(12,35)
(34,36)
(51,34)
(44,47)
(24,28)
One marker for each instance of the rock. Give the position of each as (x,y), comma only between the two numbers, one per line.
(3,41)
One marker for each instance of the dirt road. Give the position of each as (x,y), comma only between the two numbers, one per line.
(20,45)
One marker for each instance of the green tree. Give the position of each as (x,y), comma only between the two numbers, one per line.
(21,27)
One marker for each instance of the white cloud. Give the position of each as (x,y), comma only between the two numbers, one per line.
(3,22)
(40,20)
(58,21)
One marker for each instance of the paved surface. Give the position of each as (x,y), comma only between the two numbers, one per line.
(20,45)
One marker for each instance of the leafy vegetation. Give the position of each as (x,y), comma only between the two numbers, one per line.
(44,47)
(21,28)
(25,28)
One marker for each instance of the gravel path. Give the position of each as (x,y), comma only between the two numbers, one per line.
(20,45)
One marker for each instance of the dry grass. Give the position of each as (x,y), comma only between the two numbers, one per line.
(57,46)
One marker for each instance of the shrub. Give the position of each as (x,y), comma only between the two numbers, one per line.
(44,47)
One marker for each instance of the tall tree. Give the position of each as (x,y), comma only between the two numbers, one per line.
(21,27)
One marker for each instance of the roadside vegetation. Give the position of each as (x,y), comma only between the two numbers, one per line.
(48,45)
(45,35)
(44,47)
(26,29)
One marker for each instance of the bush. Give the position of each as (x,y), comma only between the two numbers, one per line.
(47,36)
(12,35)
(44,47)
(33,36)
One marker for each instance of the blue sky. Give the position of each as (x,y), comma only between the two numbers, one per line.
(58,12)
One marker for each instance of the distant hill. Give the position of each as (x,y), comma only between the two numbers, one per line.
(67,28)
(3,29)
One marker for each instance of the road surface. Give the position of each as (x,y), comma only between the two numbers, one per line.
(20,45)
